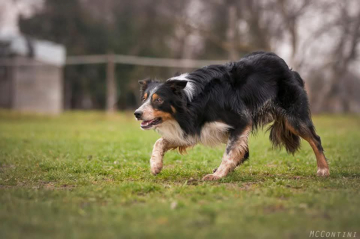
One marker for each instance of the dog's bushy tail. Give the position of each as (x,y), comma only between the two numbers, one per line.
(281,136)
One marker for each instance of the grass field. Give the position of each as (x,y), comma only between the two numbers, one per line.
(86,175)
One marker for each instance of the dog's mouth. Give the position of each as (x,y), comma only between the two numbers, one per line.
(147,124)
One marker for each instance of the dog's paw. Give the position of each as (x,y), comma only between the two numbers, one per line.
(210,177)
(155,170)
(323,172)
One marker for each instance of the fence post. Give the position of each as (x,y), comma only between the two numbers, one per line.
(111,87)
(231,32)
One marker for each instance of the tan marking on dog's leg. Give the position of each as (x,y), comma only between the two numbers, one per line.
(232,158)
(322,165)
(156,160)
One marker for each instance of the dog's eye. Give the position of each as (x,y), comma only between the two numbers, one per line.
(158,100)
(143,99)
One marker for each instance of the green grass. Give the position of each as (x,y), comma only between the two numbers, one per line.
(86,175)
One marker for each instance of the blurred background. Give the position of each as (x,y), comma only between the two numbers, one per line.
(89,54)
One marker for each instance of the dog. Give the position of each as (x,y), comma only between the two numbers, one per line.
(224,104)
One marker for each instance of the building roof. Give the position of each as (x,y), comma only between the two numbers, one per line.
(43,51)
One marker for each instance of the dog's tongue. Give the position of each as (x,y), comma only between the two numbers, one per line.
(146,122)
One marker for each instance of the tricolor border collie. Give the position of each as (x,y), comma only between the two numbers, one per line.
(223,104)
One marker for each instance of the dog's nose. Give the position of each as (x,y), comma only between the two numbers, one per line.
(138,114)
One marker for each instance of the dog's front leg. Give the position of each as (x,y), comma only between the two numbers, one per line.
(235,151)
(156,160)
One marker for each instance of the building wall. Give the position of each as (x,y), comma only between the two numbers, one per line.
(37,87)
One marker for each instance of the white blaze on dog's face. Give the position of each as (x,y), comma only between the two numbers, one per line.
(157,102)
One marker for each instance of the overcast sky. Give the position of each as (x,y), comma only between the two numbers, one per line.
(9,12)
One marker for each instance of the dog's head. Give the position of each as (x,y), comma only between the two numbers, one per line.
(160,101)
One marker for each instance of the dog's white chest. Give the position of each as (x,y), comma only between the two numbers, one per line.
(212,134)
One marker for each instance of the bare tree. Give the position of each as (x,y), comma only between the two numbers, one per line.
(290,15)
(344,53)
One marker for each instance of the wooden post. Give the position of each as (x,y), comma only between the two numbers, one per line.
(231,32)
(111,87)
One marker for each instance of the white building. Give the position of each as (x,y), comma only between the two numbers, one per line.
(31,75)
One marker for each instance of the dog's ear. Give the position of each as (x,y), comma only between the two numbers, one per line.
(144,84)
(177,85)
(177,73)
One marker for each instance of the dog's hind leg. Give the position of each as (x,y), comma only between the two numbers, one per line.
(246,157)
(294,121)
(306,130)
(236,150)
